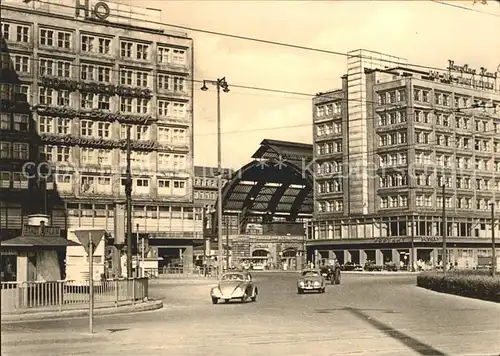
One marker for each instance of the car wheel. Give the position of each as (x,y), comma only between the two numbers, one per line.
(215,300)
(337,278)
(244,298)
(322,290)
(300,291)
(254,298)
(226,300)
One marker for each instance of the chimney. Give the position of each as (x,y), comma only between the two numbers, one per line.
(37,219)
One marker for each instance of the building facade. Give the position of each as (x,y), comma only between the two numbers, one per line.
(386,143)
(86,74)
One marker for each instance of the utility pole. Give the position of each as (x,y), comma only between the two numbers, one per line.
(219,83)
(443,227)
(138,246)
(128,195)
(227,242)
(412,232)
(493,248)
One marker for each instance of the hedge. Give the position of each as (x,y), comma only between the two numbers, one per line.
(466,284)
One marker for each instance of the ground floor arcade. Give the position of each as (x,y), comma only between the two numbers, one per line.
(463,255)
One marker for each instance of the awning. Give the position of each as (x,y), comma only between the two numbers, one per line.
(38,241)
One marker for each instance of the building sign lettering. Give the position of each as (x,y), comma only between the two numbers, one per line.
(389,240)
(466,76)
(261,246)
(99,11)
(42,230)
(430,239)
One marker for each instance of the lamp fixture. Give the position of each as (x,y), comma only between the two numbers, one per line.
(204,87)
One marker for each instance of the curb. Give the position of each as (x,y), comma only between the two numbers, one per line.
(37,316)
(381,274)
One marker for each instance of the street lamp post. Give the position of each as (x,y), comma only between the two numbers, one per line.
(128,195)
(493,247)
(219,83)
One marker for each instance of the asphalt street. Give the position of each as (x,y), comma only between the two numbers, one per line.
(365,315)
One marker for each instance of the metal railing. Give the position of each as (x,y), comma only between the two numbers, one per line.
(189,272)
(64,295)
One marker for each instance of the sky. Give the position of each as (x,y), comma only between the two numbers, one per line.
(423,32)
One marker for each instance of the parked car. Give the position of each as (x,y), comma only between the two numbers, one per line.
(234,286)
(371,266)
(331,273)
(311,280)
(351,266)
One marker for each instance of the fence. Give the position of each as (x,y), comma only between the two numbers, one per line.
(64,295)
(185,272)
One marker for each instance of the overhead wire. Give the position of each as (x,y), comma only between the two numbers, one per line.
(265,41)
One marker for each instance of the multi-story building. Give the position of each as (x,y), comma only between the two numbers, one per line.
(205,200)
(87,74)
(386,144)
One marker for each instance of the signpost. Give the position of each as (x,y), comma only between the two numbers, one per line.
(90,239)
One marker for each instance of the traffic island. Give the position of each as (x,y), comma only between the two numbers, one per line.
(34,315)
(471,285)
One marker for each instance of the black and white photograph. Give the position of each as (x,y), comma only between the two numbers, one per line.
(250,177)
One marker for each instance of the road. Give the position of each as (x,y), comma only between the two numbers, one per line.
(365,315)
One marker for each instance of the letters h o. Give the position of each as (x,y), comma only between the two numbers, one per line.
(100,10)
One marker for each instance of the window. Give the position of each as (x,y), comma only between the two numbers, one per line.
(178,110)
(46,37)
(21,123)
(178,84)
(142,79)
(162,108)
(64,40)
(126,104)
(21,63)
(63,98)
(126,76)
(46,66)
(126,49)
(53,38)
(5,150)
(103,129)
(142,52)
(179,136)
(142,106)
(104,157)
(45,97)
(104,102)
(103,74)
(5,121)
(86,127)
(163,81)
(62,154)
(20,150)
(45,124)
(87,43)
(164,134)
(104,46)
(179,57)
(63,126)
(163,55)
(87,72)
(5,31)
(87,101)
(63,69)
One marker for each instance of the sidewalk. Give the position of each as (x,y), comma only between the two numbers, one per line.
(99,309)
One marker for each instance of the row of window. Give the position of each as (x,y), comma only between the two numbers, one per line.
(332,206)
(323,110)
(330,167)
(126,105)
(94,184)
(461,142)
(394,138)
(445,99)
(393,159)
(332,186)
(392,96)
(395,201)
(459,162)
(329,147)
(328,129)
(454,202)
(103,130)
(95,44)
(205,195)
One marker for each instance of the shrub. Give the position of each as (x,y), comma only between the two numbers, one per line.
(464,284)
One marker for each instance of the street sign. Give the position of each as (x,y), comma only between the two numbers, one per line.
(85,235)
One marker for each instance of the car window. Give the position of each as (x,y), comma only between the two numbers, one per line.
(310,274)
(232,277)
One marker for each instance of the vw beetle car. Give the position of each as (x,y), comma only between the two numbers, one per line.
(311,280)
(234,286)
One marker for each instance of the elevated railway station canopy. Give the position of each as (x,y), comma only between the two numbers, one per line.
(278,183)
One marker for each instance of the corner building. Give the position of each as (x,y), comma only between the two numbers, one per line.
(85,80)
(386,143)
